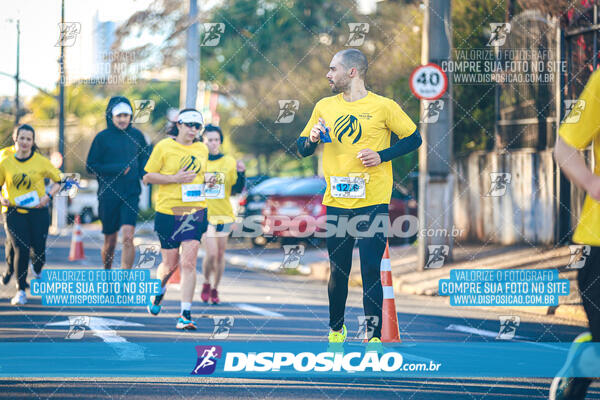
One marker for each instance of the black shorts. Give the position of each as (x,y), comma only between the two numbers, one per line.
(115,212)
(588,279)
(174,229)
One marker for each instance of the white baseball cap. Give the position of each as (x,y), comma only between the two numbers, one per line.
(191,116)
(121,108)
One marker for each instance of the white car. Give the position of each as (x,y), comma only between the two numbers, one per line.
(85,202)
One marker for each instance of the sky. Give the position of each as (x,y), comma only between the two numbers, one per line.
(40,33)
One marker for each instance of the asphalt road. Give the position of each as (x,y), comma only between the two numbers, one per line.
(265,307)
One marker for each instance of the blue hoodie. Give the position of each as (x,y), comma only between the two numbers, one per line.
(112,152)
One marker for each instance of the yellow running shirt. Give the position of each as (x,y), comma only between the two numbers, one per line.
(23,181)
(169,157)
(580,128)
(357,125)
(7,151)
(220,210)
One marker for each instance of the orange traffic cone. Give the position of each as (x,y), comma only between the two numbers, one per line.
(76,252)
(175,278)
(389,327)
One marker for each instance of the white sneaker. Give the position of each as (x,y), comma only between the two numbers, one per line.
(19,299)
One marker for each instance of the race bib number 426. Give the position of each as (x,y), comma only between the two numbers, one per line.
(347,187)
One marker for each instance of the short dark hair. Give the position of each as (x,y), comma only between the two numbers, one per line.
(26,127)
(354,58)
(213,128)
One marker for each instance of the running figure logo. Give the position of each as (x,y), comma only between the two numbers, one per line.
(366,326)
(212,33)
(579,253)
(358,33)
(499,33)
(292,255)
(508,326)
(77,326)
(431,112)
(207,359)
(185,226)
(143,109)
(69,185)
(499,183)
(287,111)
(68,33)
(148,256)
(437,256)
(223,326)
(573,111)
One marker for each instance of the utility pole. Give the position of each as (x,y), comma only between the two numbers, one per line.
(61,94)
(59,209)
(17,77)
(436,188)
(189,83)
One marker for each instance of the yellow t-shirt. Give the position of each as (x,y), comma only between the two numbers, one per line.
(7,151)
(23,181)
(167,158)
(357,125)
(580,128)
(220,210)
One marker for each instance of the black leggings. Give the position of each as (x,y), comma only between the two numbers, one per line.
(340,258)
(588,279)
(25,232)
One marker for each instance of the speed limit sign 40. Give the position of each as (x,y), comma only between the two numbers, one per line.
(428,82)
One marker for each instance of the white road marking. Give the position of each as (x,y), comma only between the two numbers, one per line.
(475,331)
(483,332)
(258,310)
(101,327)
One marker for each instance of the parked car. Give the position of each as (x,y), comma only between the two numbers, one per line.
(85,203)
(402,203)
(301,197)
(254,201)
(304,197)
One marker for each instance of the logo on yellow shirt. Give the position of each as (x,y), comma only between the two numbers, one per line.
(190,163)
(22,180)
(347,125)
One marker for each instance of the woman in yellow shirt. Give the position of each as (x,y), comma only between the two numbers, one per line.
(25,203)
(177,166)
(220,212)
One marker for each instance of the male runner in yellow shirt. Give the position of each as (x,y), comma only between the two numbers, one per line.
(580,128)
(355,126)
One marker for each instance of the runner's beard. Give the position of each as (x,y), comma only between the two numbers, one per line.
(340,87)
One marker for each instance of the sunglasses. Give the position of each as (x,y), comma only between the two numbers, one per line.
(193,125)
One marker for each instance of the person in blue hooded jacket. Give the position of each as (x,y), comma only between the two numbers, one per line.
(117,158)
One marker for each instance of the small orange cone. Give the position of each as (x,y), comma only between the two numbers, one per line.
(389,327)
(175,278)
(76,252)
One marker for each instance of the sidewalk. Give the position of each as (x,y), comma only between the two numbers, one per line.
(407,279)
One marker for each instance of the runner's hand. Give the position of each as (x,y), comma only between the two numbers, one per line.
(593,188)
(241,167)
(369,157)
(315,132)
(184,176)
(211,179)
(43,202)
(4,201)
